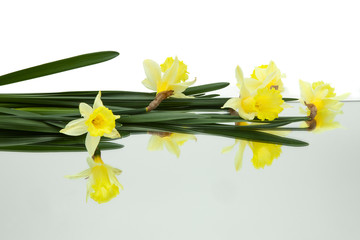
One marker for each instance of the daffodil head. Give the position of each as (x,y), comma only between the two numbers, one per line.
(265,104)
(170,76)
(96,121)
(322,104)
(264,153)
(101,121)
(102,185)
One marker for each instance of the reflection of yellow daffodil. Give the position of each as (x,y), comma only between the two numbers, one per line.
(102,185)
(261,102)
(172,141)
(173,79)
(97,121)
(260,74)
(323,104)
(263,153)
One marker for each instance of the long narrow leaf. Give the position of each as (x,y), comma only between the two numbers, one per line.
(57,66)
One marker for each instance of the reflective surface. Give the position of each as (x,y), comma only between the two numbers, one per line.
(307,193)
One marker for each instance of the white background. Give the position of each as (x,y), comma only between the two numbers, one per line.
(311,40)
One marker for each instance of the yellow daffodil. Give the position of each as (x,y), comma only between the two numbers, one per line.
(261,102)
(172,141)
(261,73)
(263,153)
(322,104)
(173,78)
(102,184)
(97,121)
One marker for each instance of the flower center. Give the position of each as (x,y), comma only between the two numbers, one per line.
(101,121)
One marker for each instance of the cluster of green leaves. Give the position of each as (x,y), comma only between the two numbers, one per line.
(31,122)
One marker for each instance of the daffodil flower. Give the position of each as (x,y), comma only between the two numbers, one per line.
(173,78)
(263,153)
(172,141)
(261,102)
(97,121)
(102,184)
(322,105)
(261,73)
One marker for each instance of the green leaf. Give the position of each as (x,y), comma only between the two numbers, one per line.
(20,124)
(57,66)
(205,88)
(58,148)
(157,116)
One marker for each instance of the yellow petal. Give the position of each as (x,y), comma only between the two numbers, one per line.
(239,155)
(114,134)
(155,143)
(239,77)
(152,72)
(149,85)
(169,76)
(234,103)
(306,91)
(98,102)
(91,143)
(172,147)
(76,127)
(85,110)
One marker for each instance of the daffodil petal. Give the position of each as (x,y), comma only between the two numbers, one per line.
(152,72)
(148,84)
(234,103)
(172,147)
(155,143)
(91,143)
(98,102)
(239,77)
(83,174)
(252,84)
(114,134)
(306,91)
(170,75)
(85,110)
(228,148)
(76,127)
(267,80)
(239,155)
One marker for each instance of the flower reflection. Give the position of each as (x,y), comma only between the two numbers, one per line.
(171,141)
(102,184)
(263,153)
